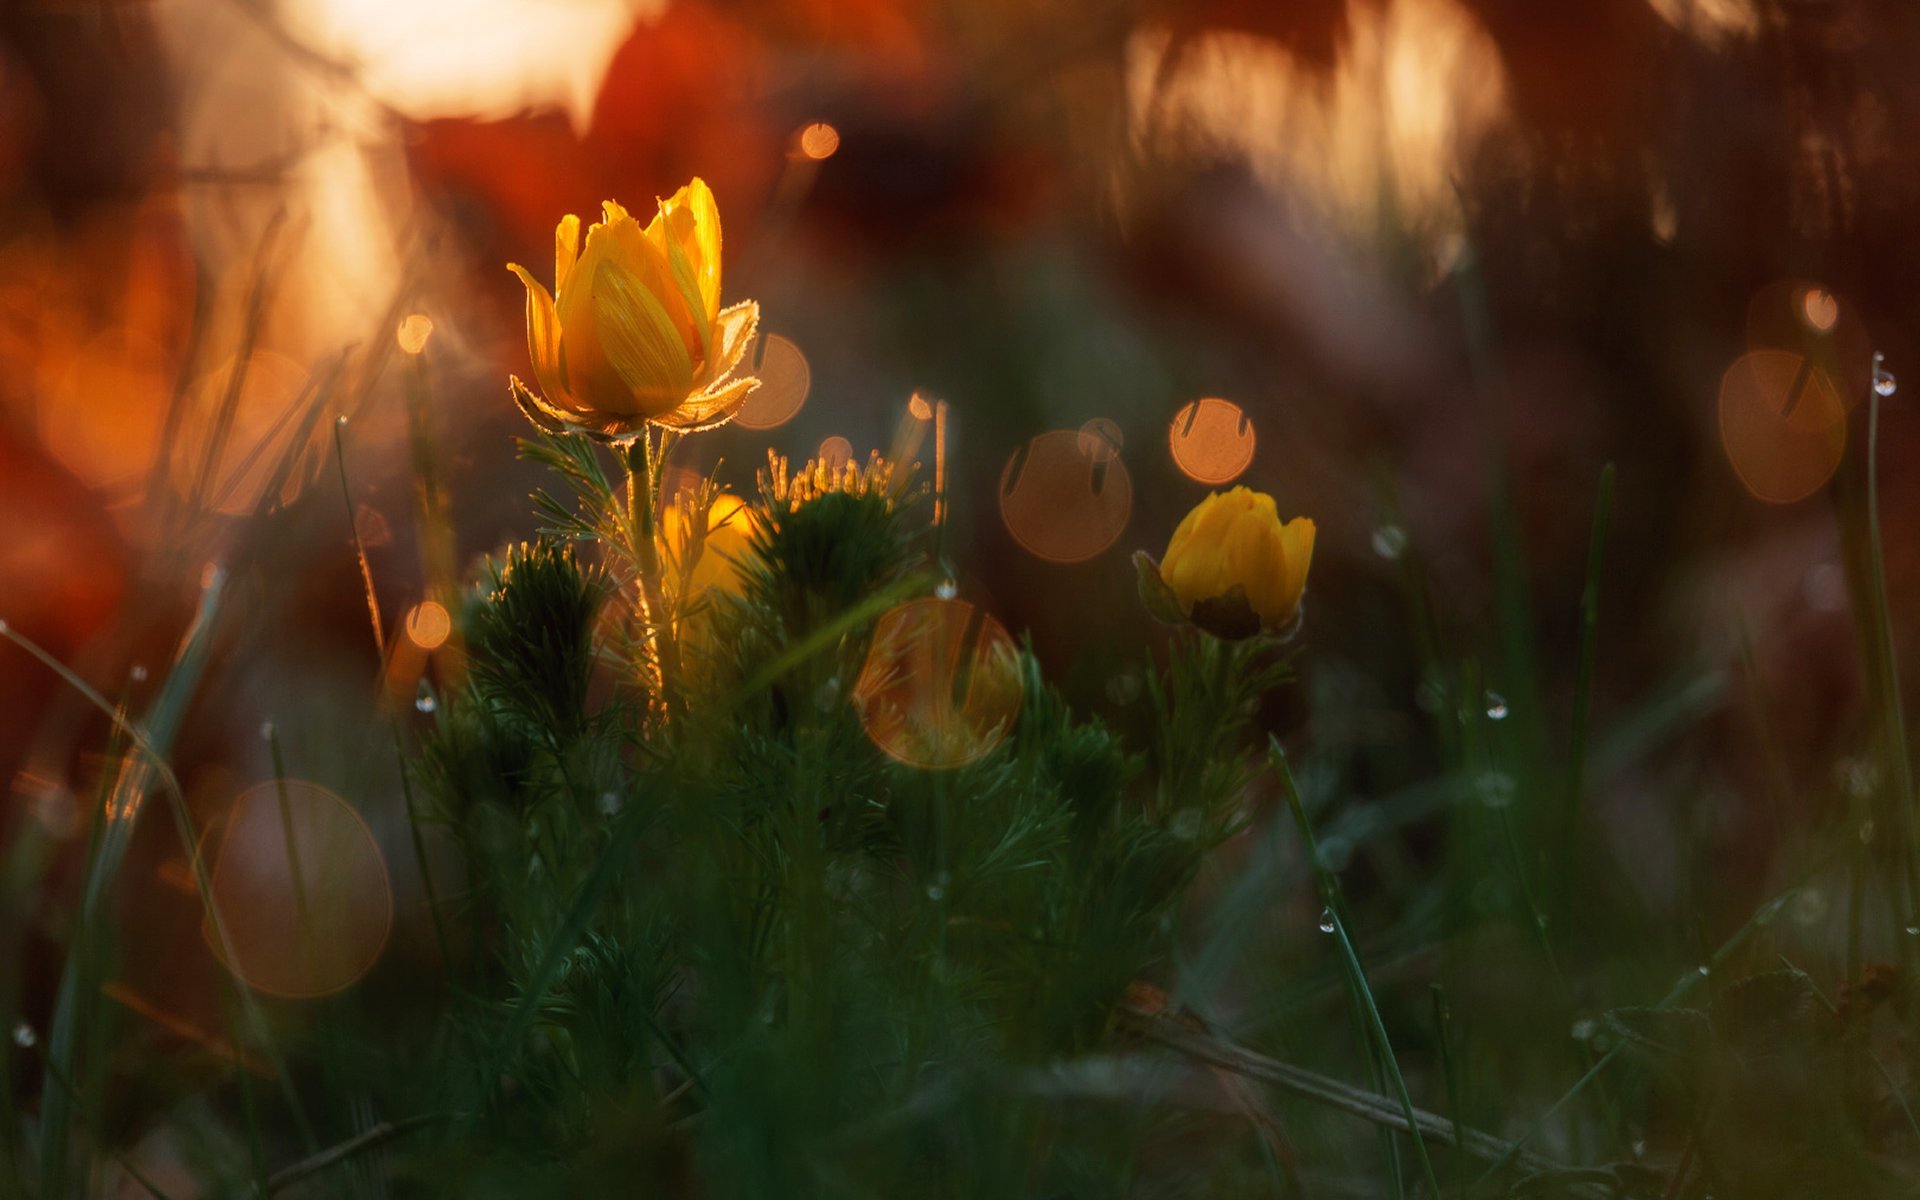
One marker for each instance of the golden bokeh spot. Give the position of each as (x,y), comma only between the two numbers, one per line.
(414,332)
(1212,441)
(834,453)
(1101,439)
(1820,308)
(1782,424)
(818,141)
(103,419)
(429,625)
(1807,318)
(941,684)
(1064,501)
(301,888)
(920,407)
(785,380)
(237,437)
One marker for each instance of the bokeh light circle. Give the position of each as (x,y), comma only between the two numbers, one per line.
(1101,439)
(1212,440)
(941,684)
(1782,424)
(103,420)
(414,332)
(817,141)
(301,889)
(1809,319)
(1066,496)
(234,445)
(834,452)
(429,625)
(785,380)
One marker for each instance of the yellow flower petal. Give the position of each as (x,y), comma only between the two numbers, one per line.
(543,336)
(711,408)
(640,340)
(566,248)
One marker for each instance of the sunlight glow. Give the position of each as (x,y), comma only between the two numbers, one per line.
(1416,85)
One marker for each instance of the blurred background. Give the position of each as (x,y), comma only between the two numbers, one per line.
(1418,268)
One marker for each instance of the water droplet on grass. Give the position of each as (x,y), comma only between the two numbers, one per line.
(1583,1029)
(138,673)
(1496,707)
(947,589)
(1883,381)
(23,1036)
(424,699)
(1326,920)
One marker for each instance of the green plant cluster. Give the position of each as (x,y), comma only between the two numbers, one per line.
(713,932)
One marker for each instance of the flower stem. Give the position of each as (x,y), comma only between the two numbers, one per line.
(643,497)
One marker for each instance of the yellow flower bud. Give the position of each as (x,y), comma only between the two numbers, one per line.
(634,332)
(1235,567)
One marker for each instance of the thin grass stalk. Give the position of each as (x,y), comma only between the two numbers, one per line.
(1583,700)
(1329,888)
(1893,711)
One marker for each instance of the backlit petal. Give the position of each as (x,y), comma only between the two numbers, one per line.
(566,249)
(640,340)
(543,336)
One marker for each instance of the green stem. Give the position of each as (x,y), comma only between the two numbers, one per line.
(1329,887)
(643,500)
(1893,713)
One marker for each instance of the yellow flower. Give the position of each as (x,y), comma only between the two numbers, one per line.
(635,332)
(1234,568)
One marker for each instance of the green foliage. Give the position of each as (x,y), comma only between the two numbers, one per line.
(804,967)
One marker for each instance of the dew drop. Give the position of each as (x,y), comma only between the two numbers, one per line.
(947,589)
(1496,707)
(1186,825)
(4,627)
(1639,1149)
(1884,383)
(341,420)
(1390,542)
(1913,931)
(138,673)
(1584,1029)
(424,700)
(937,887)
(1326,920)
(23,1036)
(1703,970)
(609,803)
(266,731)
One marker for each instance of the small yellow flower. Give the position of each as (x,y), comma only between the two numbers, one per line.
(1233,567)
(634,332)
